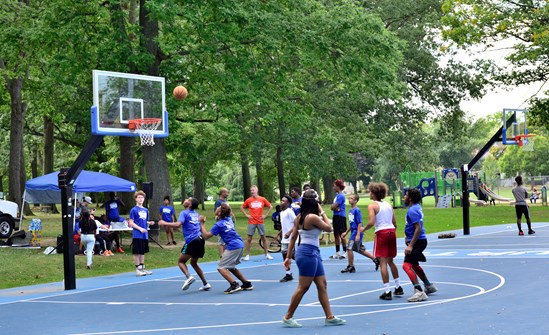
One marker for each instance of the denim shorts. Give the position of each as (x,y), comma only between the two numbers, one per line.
(308,260)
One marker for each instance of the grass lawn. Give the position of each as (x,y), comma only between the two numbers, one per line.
(21,267)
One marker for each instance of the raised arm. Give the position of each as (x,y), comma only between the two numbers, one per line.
(206,234)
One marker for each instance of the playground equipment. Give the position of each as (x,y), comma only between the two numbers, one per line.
(491,193)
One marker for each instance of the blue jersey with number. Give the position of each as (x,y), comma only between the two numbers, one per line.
(140,216)
(190,224)
(340,200)
(225,228)
(355,217)
(167,212)
(414,215)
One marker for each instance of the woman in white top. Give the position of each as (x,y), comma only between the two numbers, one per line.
(381,215)
(308,225)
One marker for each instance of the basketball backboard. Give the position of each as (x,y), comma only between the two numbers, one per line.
(121,97)
(517,128)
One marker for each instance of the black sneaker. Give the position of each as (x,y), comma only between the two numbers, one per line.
(531,232)
(399,291)
(287,278)
(247,286)
(386,296)
(233,288)
(349,269)
(376,262)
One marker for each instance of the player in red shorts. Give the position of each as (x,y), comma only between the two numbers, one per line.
(381,215)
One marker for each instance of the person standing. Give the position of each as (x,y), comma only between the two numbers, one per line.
(167,213)
(521,206)
(295,194)
(224,227)
(308,225)
(87,228)
(194,247)
(355,237)
(339,219)
(287,217)
(381,215)
(139,221)
(256,219)
(416,242)
(223,195)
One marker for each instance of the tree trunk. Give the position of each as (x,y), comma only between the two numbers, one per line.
(183,191)
(280,170)
(259,173)
(198,184)
(327,184)
(126,163)
(246,179)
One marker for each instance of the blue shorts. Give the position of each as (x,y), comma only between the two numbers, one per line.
(308,260)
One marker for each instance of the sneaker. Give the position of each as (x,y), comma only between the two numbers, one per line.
(418,296)
(188,283)
(376,262)
(291,323)
(386,296)
(521,233)
(246,258)
(335,321)
(88,267)
(233,288)
(399,291)
(120,250)
(206,287)
(147,272)
(343,256)
(335,256)
(431,288)
(247,286)
(349,269)
(140,273)
(169,243)
(267,256)
(174,242)
(531,232)
(287,278)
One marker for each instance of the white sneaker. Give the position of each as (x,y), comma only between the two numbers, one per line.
(147,272)
(246,258)
(418,296)
(267,256)
(140,273)
(188,283)
(335,256)
(431,288)
(343,256)
(206,287)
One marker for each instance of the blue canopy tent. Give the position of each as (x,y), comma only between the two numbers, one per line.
(44,189)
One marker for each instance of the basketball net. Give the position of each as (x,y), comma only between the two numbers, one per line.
(145,128)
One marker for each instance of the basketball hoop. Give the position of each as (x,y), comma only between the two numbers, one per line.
(526,141)
(145,128)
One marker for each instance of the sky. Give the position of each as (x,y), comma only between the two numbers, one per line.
(505,97)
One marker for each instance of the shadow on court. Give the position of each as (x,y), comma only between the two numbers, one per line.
(490,282)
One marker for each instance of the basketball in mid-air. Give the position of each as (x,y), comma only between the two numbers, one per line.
(180,92)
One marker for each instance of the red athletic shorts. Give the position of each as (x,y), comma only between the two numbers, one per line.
(385,244)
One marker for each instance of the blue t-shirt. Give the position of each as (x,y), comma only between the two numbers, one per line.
(340,200)
(112,209)
(414,215)
(355,217)
(190,224)
(167,213)
(218,203)
(140,216)
(225,228)
(295,206)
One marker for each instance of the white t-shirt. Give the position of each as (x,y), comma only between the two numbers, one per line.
(287,217)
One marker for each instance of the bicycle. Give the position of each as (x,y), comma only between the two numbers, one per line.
(273,243)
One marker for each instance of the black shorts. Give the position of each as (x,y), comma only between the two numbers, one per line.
(417,252)
(522,209)
(340,224)
(140,246)
(195,248)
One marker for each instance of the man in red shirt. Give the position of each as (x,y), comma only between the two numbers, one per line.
(255,205)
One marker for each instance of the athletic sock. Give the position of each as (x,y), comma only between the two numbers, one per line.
(387,287)
(397,282)
(337,249)
(418,287)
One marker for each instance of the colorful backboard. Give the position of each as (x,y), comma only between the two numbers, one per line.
(121,97)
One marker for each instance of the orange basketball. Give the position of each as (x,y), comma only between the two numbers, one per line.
(180,92)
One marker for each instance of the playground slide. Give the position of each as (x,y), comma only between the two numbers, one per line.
(477,202)
(493,195)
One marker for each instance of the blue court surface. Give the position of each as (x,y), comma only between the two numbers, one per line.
(490,282)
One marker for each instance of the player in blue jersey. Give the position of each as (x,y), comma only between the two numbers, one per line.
(339,219)
(139,221)
(355,236)
(193,248)
(416,242)
(234,248)
(168,215)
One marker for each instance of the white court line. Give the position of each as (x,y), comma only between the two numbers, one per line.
(403,307)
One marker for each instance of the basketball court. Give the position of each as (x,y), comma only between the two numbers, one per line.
(490,282)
